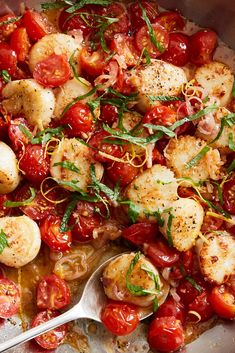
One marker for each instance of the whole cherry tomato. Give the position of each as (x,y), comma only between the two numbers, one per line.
(202,46)
(136,13)
(9,298)
(177,52)
(228,192)
(171,20)
(117,11)
(172,308)
(109,114)
(160,254)
(141,233)
(20,43)
(202,306)
(160,115)
(223,301)
(122,173)
(69,22)
(36,25)
(8,58)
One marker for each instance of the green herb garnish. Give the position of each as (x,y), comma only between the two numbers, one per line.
(168,229)
(161,128)
(198,157)
(27,202)
(3,241)
(68,165)
(69,210)
(6,76)
(164,98)
(133,210)
(231,143)
(193,283)
(11,20)
(231,167)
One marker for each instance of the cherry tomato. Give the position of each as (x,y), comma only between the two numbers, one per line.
(8,58)
(7,29)
(136,13)
(165,334)
(20,43)
(79,120)
(141,233)
(97,144)
(4,124)
(53,71)
(122,173)
(211,223)
(109,114)
(171,308)
(68,21)
(184,267)
(223,301)
(53,293)
(4,211)
(184,191)
(160,115)
(39,208)
(36,25)
(157,157)
(171,20)
(9,298)
(202,46)
(228,192)
(160,254)
(35,163)
(51,235)
(116,10)
(120,318)
(93,63)
(143,40)
(188,292)
(124,46)
(53,338)
(202,306)
(177,52)
(16,135)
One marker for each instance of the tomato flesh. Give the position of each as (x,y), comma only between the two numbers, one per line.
(202,306)
(160,115)
(8,59)
(187,292)
(171,20)
(160,254)
(17,137)
(228,192)
(122,173)
(177,52)
(20,43)
(116,10)
(141,233)
(69,22)
(136,13)
(36,25)
(202,46)
(93,63)
(9,298)
(124,46)
(7,29)
(172,308)
(223,301)
(109,114)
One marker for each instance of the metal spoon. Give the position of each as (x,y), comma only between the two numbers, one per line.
(89,306)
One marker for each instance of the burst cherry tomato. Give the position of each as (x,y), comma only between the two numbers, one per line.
(7,29)
(120,318)
(202,46)
(160,254)
(68,22)
(136,13)
(141,233)
(223,301)
(53,71)
(124,46)
(116,10)
(8,58)
(229,196)
(171,308)
(122,173)
(53,237)
(109,114)
(165,334)
(20,43)
(53,293)
(9,298)
(16,135)
(171,20)
(211,223)
(177,52)
(160,115)
(93,63)
(143,40)
(202,306)
(35,163)
(53,338)
(36,25)
(79,120)
(188,292)
(4,211)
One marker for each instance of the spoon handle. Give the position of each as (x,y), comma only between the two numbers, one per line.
(47,326)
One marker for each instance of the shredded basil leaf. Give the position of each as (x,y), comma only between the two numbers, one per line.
(25,131)
(168,230)
(44,136)
(133,210)
(161,128)
(73,67)
(193,283)
(157,215)
(231,143)
(231,167)
(233,90)
(228,120)
(198,157)
(6,76)
(69,210)
(164,98)
(155,305)
(219,191)
(9,203)
(147,56)
(3,241)
(80,3)
(152,275)
(53,5)
(72,184)
(11,20)
(68,165)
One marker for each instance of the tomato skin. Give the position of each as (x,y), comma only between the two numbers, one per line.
(20,43)
(223,301)
(51,235)
(171,308)
(211,223)
(171,20)
(53,293)
(53,338)
(75,22)
(202,306)
(109,114)
(116,10)
(124,46)
(8,58)
(142,40)
(228,192)
(79,120)
(160,254)
(202,46)
(124,173)
(7,30)
(187,292)
(165,334)
(9,298)
(5,211)
(36,25)
(157,157)
(177,52)
(93,63)
(17,137)
(136,14)
(35,164)
(120,318)
(160,115)
(141,233)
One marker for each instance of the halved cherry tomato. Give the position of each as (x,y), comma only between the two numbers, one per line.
(53,237)
(211,223)
(109,114)
(160,115)
(160,254)
(143,40)
(120,318)
(7,29)
(223,301)
(9,298)
(53,338)
(20,43)
(92,62)
(136,13)
(177,52)
(141,233)
(17,137)
(124,46)
(39,208)
(228,192)
(8,58)
(165,334)
(172,308)
(122,173)
(98,145)
(188,292)
(171,20)
(68,21)
(79,120)
(202,46)
(37,26)
(53,71)
(202,306)
(35,163)
(53,293)
(116,10)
